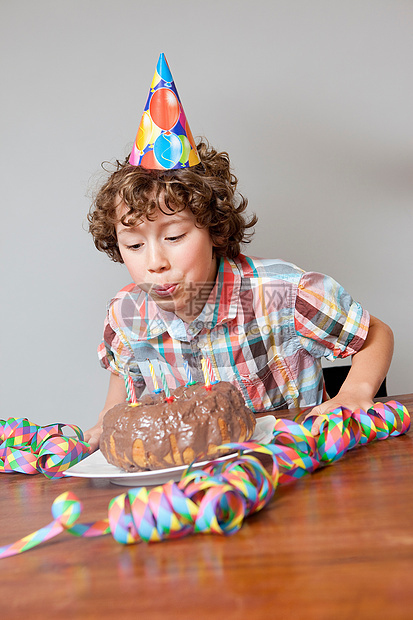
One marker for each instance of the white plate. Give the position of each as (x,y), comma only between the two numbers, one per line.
(96,466)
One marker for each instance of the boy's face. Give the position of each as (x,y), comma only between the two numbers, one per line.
(171,259)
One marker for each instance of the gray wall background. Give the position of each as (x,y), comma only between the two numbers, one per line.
(313,101)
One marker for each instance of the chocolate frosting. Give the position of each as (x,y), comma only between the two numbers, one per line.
(158,434)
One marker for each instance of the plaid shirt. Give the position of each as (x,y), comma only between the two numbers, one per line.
(264,327)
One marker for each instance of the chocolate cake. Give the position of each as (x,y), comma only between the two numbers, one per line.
(156,434)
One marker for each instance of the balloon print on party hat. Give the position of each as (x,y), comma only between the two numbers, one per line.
(164,140)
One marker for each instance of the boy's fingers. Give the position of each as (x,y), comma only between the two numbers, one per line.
(93,444)
(315,428)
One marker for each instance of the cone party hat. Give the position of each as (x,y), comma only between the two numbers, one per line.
(164,140)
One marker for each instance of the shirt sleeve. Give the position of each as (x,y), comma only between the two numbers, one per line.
(115,352)
(329,323)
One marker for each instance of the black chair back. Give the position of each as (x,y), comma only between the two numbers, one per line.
(334,377)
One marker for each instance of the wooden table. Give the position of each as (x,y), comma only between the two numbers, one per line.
(336,545)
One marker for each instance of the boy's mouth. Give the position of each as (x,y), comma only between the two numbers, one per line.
(167,290)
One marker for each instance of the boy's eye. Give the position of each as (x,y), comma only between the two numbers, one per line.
(135,246)
(177,238)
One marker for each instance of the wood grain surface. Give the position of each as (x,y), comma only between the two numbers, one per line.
(337,544)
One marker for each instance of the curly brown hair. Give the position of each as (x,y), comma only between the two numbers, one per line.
(207,189)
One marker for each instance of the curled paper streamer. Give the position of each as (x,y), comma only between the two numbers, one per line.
(219,497)
(29,449)
(66,509)
(214,501)
(298,452)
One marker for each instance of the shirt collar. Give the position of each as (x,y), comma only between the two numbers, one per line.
(222,303)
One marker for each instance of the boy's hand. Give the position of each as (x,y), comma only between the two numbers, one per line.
(368,368)
(116,394)
(348,400)
(92,437)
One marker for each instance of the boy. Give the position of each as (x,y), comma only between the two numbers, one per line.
(171,214)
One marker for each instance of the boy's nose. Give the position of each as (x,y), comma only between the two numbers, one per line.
(157,260)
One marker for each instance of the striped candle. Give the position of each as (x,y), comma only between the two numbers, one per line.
(206,375)
(165,386)
(132,398)
(128,395)
(188,374)
(210,371)
(130,389)
(154,379)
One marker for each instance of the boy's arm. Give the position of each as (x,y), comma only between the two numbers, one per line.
(368,369)
(116,394)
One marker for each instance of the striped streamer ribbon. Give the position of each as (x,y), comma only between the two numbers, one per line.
(219,497)
(29,449)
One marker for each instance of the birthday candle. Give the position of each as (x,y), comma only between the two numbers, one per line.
(154,379)
(132,399)
(128,394)
(130,388)
(206,375)
(165,386)
(210,371)
(188,374)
